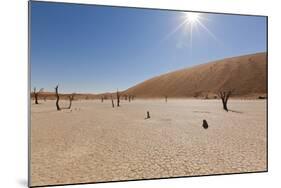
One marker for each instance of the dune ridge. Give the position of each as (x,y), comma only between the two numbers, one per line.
(246,74)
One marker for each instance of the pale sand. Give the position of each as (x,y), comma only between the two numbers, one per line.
(94,142)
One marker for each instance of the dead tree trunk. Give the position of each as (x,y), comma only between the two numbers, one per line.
(58,97)
(118,98)
(166,98)
(130,98)
(224,95)
(101,98)
(71,98)
(36,94)
(207,96)
(112,102)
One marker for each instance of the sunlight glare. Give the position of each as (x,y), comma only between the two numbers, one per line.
(192,17)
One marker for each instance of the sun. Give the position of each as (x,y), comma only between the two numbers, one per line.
(190,23)
(192,17)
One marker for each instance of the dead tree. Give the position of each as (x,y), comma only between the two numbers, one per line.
(101,98)
(166,98)
(130,98)
(36,94)
(58,97)
(207,96)
(118,98)
(112,102)
(224,95)
(71,98)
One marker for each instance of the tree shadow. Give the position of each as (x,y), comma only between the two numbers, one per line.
(235,111)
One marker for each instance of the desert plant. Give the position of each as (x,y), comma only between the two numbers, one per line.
(147,115)
(58,97)
(205,124)
(36,94)
(118,98)
(224,95)
(262,97)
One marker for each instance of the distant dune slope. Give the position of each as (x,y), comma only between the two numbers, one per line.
(247,75)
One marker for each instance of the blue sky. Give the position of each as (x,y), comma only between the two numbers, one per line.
(98,49)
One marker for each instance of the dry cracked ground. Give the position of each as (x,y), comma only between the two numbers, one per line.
(94,142)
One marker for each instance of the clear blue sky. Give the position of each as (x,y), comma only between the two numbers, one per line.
(98,49)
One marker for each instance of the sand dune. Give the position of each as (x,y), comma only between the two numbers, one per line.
(245,74)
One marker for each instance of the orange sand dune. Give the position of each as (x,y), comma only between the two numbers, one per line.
(247,75)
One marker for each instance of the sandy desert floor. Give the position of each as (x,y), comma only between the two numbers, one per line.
(94,142)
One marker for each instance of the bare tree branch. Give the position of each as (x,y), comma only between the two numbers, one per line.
(71,98)
(36,94)
(112,102)
(118,98)
(58,97)
(224,95)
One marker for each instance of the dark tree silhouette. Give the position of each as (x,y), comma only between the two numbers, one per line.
(147,115)
(58,97)
(166,98)
(130,97)
(102,98)
(118,98)
(224,95)
(36,94)
(207,96)
(112,102)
